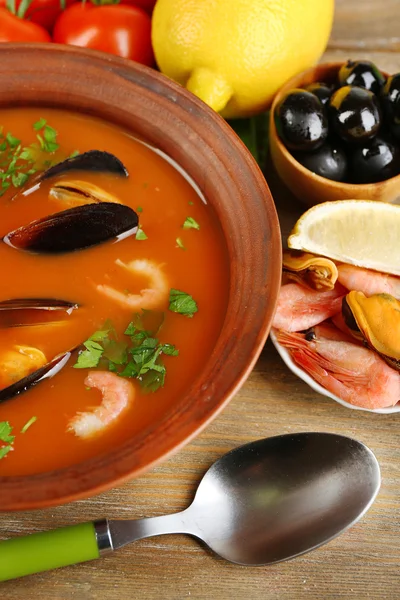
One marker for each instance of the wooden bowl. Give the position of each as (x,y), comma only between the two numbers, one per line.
(168,117)
(308,187)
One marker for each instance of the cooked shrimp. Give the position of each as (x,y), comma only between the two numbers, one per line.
(369,282)
(328,331)
(149,298)
(300,308)
(117,395)
(350,371)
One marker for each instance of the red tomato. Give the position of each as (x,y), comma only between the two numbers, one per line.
(42,12)
(121,30)
(14,29)
(147,5)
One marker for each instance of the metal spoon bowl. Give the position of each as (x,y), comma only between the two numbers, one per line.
(265,502)
(273,499)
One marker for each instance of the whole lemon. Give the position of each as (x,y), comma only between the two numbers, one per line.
(236,54)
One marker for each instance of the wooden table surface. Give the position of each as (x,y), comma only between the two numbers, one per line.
(362,563)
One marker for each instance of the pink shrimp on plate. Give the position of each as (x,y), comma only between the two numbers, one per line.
(353,373)
(300,308)
(367,281)
(117,394)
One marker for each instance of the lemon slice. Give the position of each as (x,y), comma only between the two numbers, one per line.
(358,232)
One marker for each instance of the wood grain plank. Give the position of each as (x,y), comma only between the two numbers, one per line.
(366,25)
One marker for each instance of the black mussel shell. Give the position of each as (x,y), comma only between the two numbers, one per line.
(46,372)
(75,229)
(20,312)
(92,161)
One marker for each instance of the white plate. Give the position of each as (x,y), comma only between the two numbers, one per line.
(285,356)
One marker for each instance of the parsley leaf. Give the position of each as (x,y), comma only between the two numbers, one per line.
(190,223)
(139,209)
(140,234)
(182,303)
(91,356)
(39,124)
(6,437)
(141,359)
(180,244)
(17,163)
(5,432)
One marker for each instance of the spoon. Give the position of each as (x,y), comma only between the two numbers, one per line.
(264,502)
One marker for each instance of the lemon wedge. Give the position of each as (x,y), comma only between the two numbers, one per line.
(364,233)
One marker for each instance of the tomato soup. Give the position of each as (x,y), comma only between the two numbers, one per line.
(135,363)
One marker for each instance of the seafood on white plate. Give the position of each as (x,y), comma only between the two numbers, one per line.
(343,338)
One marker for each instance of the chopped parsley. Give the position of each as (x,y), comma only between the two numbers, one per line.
(140,235)
(139,358)
(182,303)
(139,209)
(28,424)
(6,438)
(190,223)
(18,162)
(180,244)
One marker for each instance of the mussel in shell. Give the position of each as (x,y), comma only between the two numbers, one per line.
(18,365)
(315,272)
(75,229)
(376,321)
(92,161)
(20,312)
(74,192)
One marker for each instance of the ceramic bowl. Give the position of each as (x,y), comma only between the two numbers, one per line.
(308,187)
(285,356)
(168,117)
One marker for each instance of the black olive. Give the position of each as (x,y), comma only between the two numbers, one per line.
(322,90)
(301,121)
(377,160)
(361,73)
(355,114)
(390,98)
(328,161)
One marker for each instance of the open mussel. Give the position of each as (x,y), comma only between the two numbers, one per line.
(20,312)
(75,229)
(376,321)
(315,272)
(74,192)
(19,364)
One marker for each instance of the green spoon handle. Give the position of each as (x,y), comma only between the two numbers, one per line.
(44,551)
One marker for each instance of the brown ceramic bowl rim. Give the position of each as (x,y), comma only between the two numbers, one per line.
(334,185)
(28,70)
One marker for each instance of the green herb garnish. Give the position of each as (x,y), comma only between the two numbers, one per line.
(140,235)
(140,359)
(139,209)
(6,438)
(28,424)
(180,244)
(190,223)
(17,163)
(182,303)
(90,357)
